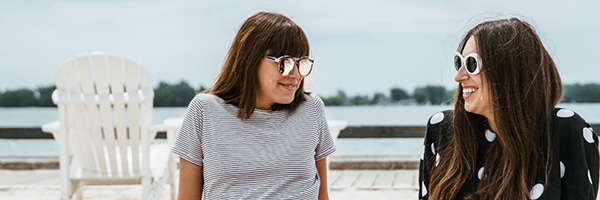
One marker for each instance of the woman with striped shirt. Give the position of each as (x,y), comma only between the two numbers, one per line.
(256,134)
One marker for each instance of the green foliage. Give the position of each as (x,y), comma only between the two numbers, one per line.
(45,96)
(336,100)
(431,94)
(178,95)
(360,100)
(398,94)
(18,98)
(379,98)
(165,94)
(582,93)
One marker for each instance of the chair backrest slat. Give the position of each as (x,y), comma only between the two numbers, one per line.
(133,84)
(118,87)
(107,127)
(96,91)
(81,82)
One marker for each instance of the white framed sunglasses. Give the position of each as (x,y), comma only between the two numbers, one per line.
(287,64)
(472,62)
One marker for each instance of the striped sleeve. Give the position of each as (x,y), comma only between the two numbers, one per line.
(188,144)
(325,146)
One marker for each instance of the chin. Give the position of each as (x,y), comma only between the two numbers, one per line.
(286,101)
(469,109)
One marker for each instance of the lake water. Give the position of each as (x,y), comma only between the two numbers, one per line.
(355,115)
(413,115)
(344,147)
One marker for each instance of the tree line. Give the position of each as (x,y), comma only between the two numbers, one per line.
(179,95)
(165,95)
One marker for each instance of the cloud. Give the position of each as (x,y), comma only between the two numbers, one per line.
(360,46)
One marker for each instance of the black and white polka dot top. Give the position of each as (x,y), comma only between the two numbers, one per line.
(575,161)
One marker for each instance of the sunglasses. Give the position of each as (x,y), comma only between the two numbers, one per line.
(287,63)
(472,62)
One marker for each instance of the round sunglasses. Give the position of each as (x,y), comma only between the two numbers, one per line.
(287,63)
(472,62)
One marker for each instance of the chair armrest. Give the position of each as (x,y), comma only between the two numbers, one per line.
(170,126)
(335,126)
(51,127)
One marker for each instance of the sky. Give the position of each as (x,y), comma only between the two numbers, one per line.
(360,47)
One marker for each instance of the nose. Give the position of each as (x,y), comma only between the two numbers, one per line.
(461,74)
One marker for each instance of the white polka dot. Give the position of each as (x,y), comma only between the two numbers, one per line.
(562,169)
(590,177)
(588,135)
(423,189)
(537,191)
(480,173)
(433,148)
(564,113)
(490,136)
(437,159)
(437,118)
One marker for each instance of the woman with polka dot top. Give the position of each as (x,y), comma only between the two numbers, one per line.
(505,139)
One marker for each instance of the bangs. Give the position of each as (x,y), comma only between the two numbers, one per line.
(289,40)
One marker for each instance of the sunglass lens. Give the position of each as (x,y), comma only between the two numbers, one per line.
(305,66)
(457,62)
(471,64)
(286,66)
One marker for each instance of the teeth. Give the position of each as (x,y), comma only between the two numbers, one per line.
(469,90)
(289,85)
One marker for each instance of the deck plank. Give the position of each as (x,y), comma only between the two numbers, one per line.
(384,180)
(345,180)
(405,179)
(365,180)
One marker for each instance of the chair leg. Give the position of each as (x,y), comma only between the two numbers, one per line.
(172,188)
(173,173)
(78,189)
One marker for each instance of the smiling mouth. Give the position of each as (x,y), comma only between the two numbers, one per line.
(470,90)
(289,86)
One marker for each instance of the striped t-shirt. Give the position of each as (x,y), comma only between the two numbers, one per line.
(271,155)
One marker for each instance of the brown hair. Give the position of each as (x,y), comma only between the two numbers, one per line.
(525,87)
(261,34)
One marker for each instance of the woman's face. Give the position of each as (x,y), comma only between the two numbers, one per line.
(475,89)
(273,87)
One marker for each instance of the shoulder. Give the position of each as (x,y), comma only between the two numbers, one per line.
(313,98)
(440,118)
(567,123)
(206,98)
(313,101)
(202,99)
(438,126)
(562,117)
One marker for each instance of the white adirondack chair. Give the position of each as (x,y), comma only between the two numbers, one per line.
(105,110)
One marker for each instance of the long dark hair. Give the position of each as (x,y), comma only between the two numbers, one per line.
(261,34)
(525,87)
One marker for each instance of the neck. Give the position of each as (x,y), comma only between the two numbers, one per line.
(492,123)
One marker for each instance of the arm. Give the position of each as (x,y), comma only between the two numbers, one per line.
(579,158)
(433,131)
(322,170)
(191,180)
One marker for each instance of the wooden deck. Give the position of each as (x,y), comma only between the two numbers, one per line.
(344,185)
(373,179)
